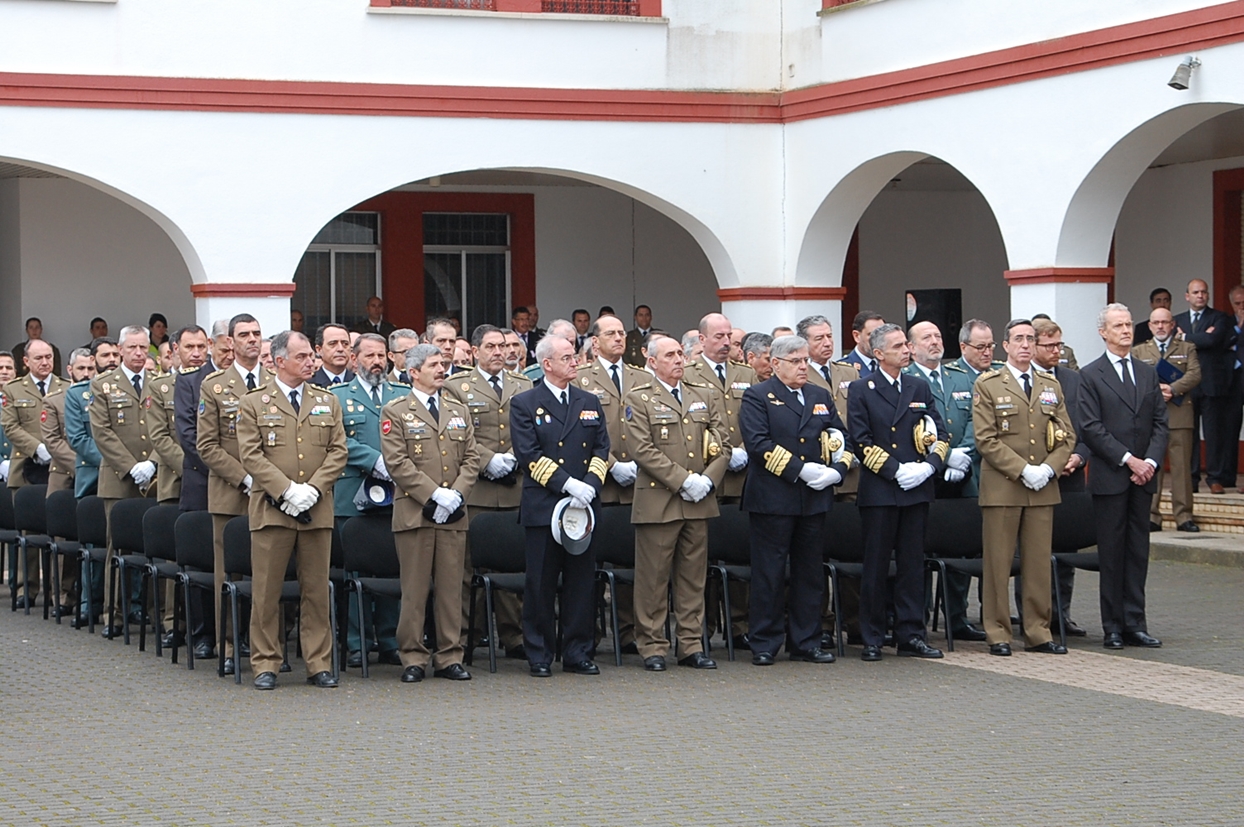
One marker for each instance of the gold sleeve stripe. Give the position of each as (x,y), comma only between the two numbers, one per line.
(942,449)
(598,467)
(874,458)
(542,470)
(777,460)
(849,460)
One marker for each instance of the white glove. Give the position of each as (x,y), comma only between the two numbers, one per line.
(695,488)
(1036,476)
(812,472)
(4,470)
(497,467)
(580,490)
(832,477)
(575,502)
(448,499)
(143,472)
(959,460)
(41,455)
(289,509)
(511,462)
(300,497)
(912,474)
(441,514)
(247,484)
(738,459)
(379,471)
(953,474)
(624,473)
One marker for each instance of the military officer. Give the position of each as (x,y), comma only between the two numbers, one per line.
(400,341)
(429,448)
(561,440)
(679,438)
(229,484)
(1182,356)
(186,395)
(8,371)
(798,449)
(1025,437)
(901,441)
(78,422)
(118,423)
(487,392)
(292,444)
(169,456)
(52,424)
(362,399)
(29,458)
(634,354)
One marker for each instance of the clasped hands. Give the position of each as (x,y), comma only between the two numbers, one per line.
(299,497)
(447,501)
(819,476)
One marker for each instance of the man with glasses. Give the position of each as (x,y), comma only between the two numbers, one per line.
(1158,297)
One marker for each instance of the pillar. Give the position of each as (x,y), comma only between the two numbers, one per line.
(1071,296)
(267,302)
(764,308)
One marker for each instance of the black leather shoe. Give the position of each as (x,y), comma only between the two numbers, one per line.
(762,659)
(1188,525)
(412,674)
(170,638)
(655,663)
(541,670)
(480,642)
(111,632)
(204,650)
(66,611)
(1070,627)
(698,660)
(630,648)
(285,667)
(453,672)
(229,666)
(244,650)
(391,657)
(1113,640)
(1154,527)
(917,648)
(827,640)
(871,653)
(1002,650)
(1144,639)
(265,680)
(354,660)
(583,667)
(742,642)
(968,632)
(22,603)
(136,618)
(518,652)
(1047,648)
(813,656)
(323,680)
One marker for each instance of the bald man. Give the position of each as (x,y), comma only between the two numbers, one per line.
(1213,334)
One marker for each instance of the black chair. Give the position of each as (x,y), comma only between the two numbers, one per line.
(1075,528)
(844,557)
(730,549)
(498,545)
(953,542)
(371,554)
(128,557)
(30,520)
(613,543)
(93,537)
(160,545)
(62,527)
(8,537)
(196,563)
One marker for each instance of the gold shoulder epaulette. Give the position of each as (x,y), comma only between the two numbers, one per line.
(642,387)
(692,384)
(1046,374)
(184,371)
(312,384)
(213,375)
(989,373)
(954,367)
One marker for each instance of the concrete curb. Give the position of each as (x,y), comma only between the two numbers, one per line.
(1204,548)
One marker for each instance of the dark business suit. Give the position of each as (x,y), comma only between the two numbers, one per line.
(882,422)
(1114,420)
(383,329)
(532,339)
(863,364)
(322,378)
(554,442)
(786,517)
(1214,335)
(186,430)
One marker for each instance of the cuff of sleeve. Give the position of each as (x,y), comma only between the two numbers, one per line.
(1126,457)
(1152,462)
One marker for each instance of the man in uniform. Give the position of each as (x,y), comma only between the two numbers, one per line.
(889,415)
(34,333)
(64,460)
(976,346)
(186,393)
(486,392)
(634,354)
(429,448)
(1180,355)
(673,501)
(1025,438)
(190,343)
(229,485)
(118,423)
(332,343)
(362,399)
(562,442)
(29,458)
(400,341)
(756,354)
(291,442)
(862,326)
(8,372)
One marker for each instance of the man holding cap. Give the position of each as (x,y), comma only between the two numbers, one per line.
(561,441)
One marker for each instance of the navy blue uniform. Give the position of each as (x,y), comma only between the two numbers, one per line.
(883,421)
(555,442)
(786,517)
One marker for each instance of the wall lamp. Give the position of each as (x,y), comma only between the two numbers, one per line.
(1183,75)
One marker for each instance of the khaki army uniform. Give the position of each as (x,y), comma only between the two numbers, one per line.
(60,473)
(1179,415)
(1013,431)
(490,421)
(220,398)
(671,440)
(277,446)
(739,377)
(422,454)
(161,430)
(634,353)
(1067,358)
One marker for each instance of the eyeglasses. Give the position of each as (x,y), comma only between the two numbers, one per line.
(983,348)
(1024,340)
(1051,345)
(798,360)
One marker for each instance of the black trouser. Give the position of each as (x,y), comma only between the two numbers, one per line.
(546,562)
(898,530)
(776,540)
(1123,552)
(1217,416)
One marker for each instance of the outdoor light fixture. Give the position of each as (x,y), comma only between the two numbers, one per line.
(1183,75)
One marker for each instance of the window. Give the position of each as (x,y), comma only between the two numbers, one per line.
(340,271)
(466,267)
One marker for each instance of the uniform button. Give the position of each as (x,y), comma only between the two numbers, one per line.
(731,427)
(689,438)
(444,467)
(652,485)
(585,445)
(561,462)
(560,444)
(893,429)
(444,485)
(300,456)
(301,473)
(892,445)
(686,422)
(691,455)
(444,453)
(144,436)
(352,433)
(442,437)
(1033,441)
(502,426)
(801,439)
(142,422)
(300,439)
(1031,425)
(624,435)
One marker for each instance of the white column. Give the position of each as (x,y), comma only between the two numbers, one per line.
(1073,304)
(763,315)
(272,312)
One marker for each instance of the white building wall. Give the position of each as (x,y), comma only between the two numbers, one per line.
(11,317)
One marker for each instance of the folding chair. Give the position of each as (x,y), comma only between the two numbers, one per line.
(498,544)
(371,553)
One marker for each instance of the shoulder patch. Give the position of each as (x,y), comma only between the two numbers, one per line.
(989,373)
(318,387)
(688,382)
(195,369)
(954,367)
(220,372)
(642,387)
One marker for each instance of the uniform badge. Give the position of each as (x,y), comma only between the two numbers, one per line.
(43,416)
(386,426)
(540,411)
(164,389)
(1006,424)
(272,409)
(215,388)
(820,410)
(628,412)
(644,396)
(147,403)
(265,399)
(586,381)
(272,439)
(202,407)
(466,386)
(871,386)
(106,387)
(409,417)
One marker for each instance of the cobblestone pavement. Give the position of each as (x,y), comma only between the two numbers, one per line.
(95,733)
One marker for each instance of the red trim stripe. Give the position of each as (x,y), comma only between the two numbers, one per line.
(741,294)
(1052,275)
(243,290)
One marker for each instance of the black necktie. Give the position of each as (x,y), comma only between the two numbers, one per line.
(676,397)
(138,384)
(564,399)
(496,385)
(617,380)
(1027,384)
(825,373)
(335,381)
(1162,348)
(404,378)
(436,414)
(872,366)
(1196,317)
(1128,384)
(721,375)
(293,400)
(43,390)
(250,381)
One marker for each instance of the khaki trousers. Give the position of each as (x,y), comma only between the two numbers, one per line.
(270,551)
(666,552)
(1179,454)
(1032,527)
(430,556)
